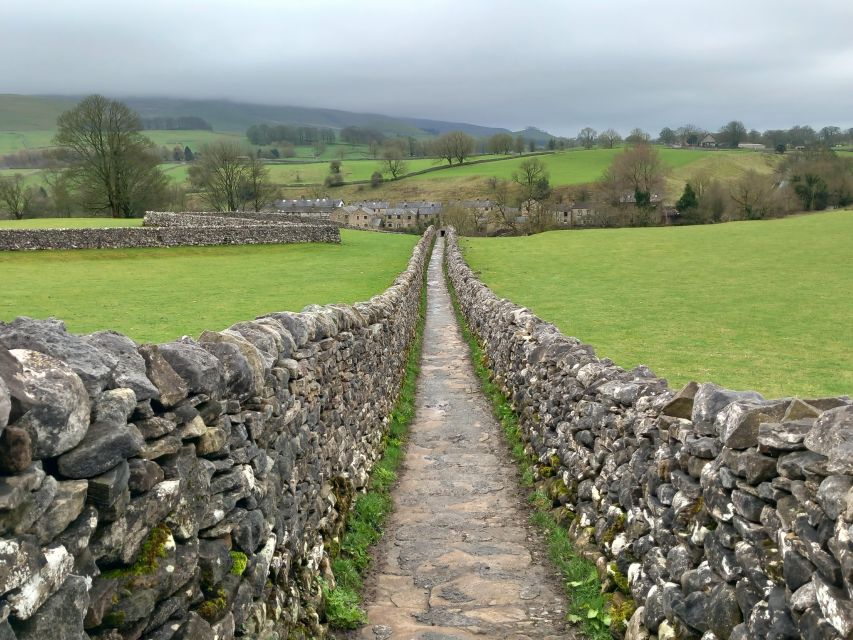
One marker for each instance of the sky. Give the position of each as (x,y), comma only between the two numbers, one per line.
(560,65)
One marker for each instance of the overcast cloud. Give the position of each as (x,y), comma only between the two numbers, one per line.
(558,65)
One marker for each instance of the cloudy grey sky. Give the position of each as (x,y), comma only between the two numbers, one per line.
(557,64)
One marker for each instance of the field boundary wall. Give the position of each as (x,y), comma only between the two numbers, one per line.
(191,490)
(173,230)
(721,513)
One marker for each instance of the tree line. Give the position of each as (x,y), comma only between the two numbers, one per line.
(181,123)
(265,134)
(728,135)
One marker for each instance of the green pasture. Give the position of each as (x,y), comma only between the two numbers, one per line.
(569,167)
(12,141)
(157,295)
(194,139)
(762,305)
(33,177)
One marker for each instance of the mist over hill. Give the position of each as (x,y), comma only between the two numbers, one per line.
(26,113)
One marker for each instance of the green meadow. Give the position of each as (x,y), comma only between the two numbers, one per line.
(157,295)
(568,167)
(762,305)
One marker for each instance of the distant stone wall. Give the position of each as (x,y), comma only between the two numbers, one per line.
(190,490)
(724,513)
(165,219)
(170,230)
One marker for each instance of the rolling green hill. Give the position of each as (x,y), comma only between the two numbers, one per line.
(29,113)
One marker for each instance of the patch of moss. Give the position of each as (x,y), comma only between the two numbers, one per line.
(147,562)
(610,533)
(546,472)
(113,619)
(240,560)
(620,614)
(619,579)
(214,605)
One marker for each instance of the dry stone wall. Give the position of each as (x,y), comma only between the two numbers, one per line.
(190,490)
(724,514)
(166,219)
(171,230)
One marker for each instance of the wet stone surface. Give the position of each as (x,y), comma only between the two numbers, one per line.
(457,560)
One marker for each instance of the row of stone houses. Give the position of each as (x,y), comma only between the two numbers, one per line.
(401,216)
(382,215)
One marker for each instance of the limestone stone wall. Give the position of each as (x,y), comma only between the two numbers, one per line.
(728,515)
(170,230)
(164,219)
(190,490)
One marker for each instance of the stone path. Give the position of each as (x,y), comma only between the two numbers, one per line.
(457,560)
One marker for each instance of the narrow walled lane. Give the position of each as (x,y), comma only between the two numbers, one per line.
(457,560)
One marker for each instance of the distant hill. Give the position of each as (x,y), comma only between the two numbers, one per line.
(437,127)
(537,135)
(31,113)
(27,113)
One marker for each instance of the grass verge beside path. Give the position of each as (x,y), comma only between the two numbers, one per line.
(366,522)
(157,295)
(593,611)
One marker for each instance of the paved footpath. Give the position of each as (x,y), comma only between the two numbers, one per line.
(457,560)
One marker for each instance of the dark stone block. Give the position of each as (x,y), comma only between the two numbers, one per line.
(104,447)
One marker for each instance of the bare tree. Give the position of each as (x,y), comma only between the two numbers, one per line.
(15,196)
(394,159)
(532,179)
(454,145)
(59,190)
(641,169)
(631,182)
(501,143)
(502,213)
(256,189)
(690,134)
(609,137)
(220,171)
(733,133)
(462,218)
(586,137)
(753,195)
(637,136)
(667,136)
(114,166)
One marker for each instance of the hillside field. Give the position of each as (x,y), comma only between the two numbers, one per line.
(306,171)
(157,295)
(762,305)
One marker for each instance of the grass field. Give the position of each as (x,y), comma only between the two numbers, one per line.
(456,182)
(156,295)
(564,168)
(760,305)
(12,141)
